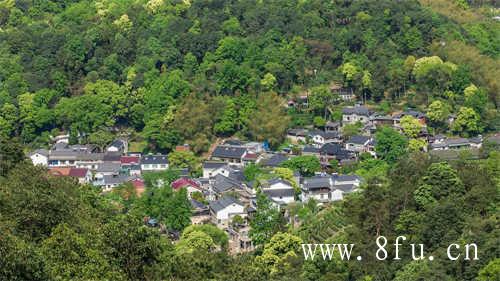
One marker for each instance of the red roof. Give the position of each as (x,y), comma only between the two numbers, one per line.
(78,172)
(137,183)
(129,159)
(183,182)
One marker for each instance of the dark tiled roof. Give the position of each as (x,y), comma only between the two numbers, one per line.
(154,159)
(317,182)
(275,160)
(275,181)
(117,143)
(310,149)
(223,203)
(226,151)
(109,167)
(213,165)
(358,110)
(279,192)
(358,139)
(416,114)
(341,178)
(223,184)
(112,157)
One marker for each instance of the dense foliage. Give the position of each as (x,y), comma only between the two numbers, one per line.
(169,72)
(174,72)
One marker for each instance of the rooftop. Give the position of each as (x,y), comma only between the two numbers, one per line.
(228,151)
(223,203)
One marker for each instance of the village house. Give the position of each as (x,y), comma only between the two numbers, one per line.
(317,187)
(360,144)
(190,185)
(239,239)
(321,137)
(229,154)
(310,150)
(354,114)
(297,135)
(224,209)
(154,163)
(443,143)
(200,212)
(82,175)
(275,160)
(331,126)
(117,146)
(335,151)
(421,117)
(39,157)
(345,94)
(211,168)
(280,191)
(326,188)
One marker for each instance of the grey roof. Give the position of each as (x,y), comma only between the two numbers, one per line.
(223,203)
(90,156)
(42,151)
(358,110)
(227,151)
(317,182)
(63,154)
(347,188)
(310,149)
(275,160)
(279,192)
(359,139)
(115,179)
(416,114)
(213,165)
(275,181)
(154,159)
(340,178)
(326,135)
(108,167)
(117,143)
(112,157)
(451,142)
(197,204)
(223,184)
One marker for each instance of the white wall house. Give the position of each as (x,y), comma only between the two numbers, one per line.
(352,115)
(224,209)
(154,163)
(279,191)
(39,157)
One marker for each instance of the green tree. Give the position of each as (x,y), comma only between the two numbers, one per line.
(266,222)
(411,126)
(184,159)
(467,122)
(438,113)
(390,144)
(306,165)
(269,120)
(280,254)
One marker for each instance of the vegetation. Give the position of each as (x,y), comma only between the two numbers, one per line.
(165,73)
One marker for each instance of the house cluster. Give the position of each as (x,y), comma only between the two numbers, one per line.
(89,165)
(330,143)
(232,200)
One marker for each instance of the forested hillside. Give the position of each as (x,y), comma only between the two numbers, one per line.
(139,67)
(163,73)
